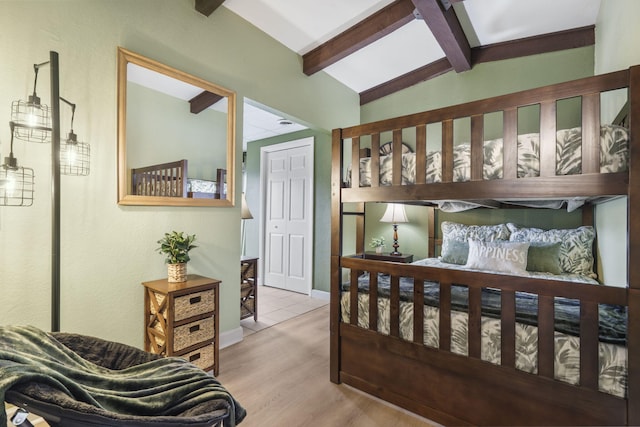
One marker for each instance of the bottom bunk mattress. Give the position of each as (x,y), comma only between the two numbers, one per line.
(612,346)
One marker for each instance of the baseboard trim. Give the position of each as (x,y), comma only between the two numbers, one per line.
(323,295)
(231,337)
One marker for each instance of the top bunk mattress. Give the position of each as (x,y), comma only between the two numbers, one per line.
(613,158)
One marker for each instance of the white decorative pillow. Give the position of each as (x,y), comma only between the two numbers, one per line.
(506,257)
(576,245)
(455,237)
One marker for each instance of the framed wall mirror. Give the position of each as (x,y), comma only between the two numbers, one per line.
(176,136)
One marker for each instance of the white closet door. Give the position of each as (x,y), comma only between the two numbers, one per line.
(288,218)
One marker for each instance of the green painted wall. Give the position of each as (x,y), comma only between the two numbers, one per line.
(412,236)
(484,81)
(322,200)
(108,250)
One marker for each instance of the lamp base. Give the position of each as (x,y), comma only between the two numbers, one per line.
(395,241)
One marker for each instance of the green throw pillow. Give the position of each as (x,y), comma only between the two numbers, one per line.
(456,252)
(544,257)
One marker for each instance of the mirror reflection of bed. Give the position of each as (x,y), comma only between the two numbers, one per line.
(172,180)
(176,136)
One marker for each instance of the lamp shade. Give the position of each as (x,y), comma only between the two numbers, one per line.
(245,213)
(394,214)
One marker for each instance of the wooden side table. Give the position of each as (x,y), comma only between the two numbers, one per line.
(181,319)
(404,258)
(249,288)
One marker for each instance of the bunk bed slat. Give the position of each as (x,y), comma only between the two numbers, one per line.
(545,336)
(591,133)
(394,309)
(477,138)
(353,302)
(397,157)
(445,316)
(421,154)
(418,311)
(373,302)
(447,150)
(508,328)
(589,345)
(475,323)
(360,218)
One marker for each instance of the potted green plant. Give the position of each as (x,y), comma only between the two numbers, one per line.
(377,243)
(176,247)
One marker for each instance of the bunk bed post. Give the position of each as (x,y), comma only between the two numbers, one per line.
(633,322)
(336,249)
(431,224)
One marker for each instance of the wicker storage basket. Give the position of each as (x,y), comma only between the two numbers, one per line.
(193,333)
(194,304)
(177,273)
(203,357)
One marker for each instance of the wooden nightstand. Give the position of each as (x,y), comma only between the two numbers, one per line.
(385,256)
(181,319)
(249,288)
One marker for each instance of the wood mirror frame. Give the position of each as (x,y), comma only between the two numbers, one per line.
(125,193)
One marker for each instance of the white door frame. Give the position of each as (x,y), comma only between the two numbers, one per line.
(309,141)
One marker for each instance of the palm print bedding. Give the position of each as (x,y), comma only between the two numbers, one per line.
(613,158)
(612,329)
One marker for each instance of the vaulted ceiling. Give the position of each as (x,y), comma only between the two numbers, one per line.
(378,47)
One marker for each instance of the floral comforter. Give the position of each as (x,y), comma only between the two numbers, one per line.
(613,352)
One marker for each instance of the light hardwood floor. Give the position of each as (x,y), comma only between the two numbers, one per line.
(281,376)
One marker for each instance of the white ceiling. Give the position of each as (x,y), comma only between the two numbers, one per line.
(302,25)
(260,124)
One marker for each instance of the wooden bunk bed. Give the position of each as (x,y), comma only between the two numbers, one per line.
(461,387)
(171,180)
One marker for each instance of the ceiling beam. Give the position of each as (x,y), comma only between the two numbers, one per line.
(207,7)
(367,31)
(551,42)
(404,81)
(448,32)
(569,39)
(203,101)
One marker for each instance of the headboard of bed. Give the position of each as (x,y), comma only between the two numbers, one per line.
(166,179)
(172,180)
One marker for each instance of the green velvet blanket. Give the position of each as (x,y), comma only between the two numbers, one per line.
(127,385)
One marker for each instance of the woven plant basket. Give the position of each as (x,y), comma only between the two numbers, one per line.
(177,273)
